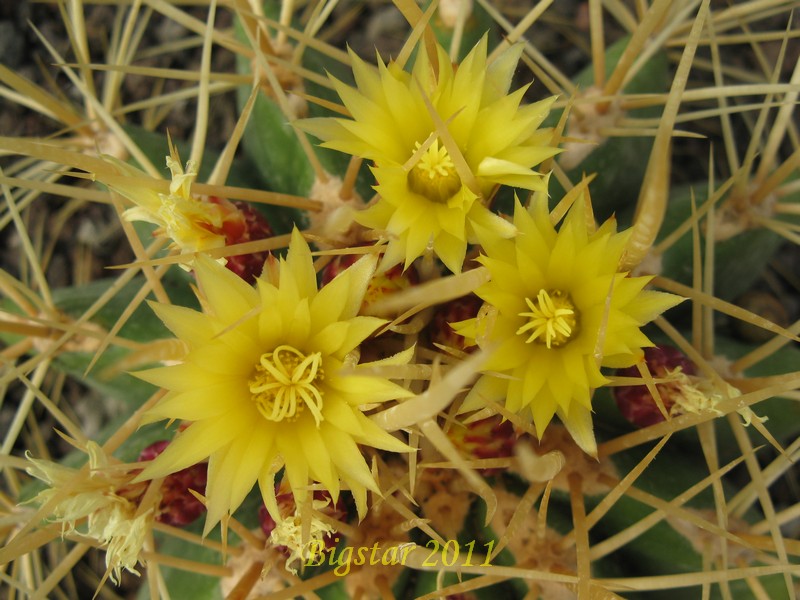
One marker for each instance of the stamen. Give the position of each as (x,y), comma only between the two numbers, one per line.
(552,316)
(434,175)
(286,382)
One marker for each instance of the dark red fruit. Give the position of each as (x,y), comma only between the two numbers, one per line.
(635,401)
(460,309)
(243,223)
(488,438)
(381,284)
(178,507)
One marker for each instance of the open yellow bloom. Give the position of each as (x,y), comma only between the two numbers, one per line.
(270,378)
(440,143)
(556,311)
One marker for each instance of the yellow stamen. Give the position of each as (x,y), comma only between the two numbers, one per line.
(285,382)
(552,316)
(434,176)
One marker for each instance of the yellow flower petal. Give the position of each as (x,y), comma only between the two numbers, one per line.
(228,295)
(189,325)
(342,297)
(239,467)
(301,265)
(486,388)
(343,416)
(376,437)
(197,404)
(181,378)
(348,458)
(193,445)
(362,389)
(579,425)
(318,457)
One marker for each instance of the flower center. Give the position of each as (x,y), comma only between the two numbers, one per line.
(553,319)
(190,222)
(285,382)
(434,176)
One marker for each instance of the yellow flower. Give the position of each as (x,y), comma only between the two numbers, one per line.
(556,311)
(289,533)
(92,494)
(270,379)
(440,144)
(194,225)
(698,395)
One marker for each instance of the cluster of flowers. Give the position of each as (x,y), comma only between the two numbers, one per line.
(271,383)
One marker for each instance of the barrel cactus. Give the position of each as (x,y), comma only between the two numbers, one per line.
(465,299)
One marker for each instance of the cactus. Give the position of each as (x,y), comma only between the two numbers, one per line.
(502,311)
